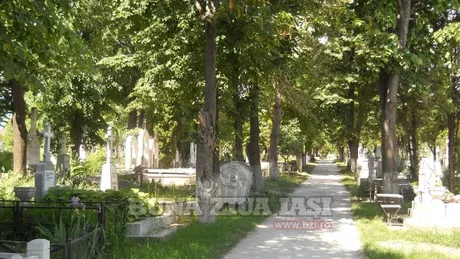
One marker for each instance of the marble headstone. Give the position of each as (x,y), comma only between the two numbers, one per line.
(130,152)
(192,159)
(109,179)
(45,176)
(235,181)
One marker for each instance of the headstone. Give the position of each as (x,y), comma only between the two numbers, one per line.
(235,181)
(141,148)
(156,160)
(82,153)
(427,174)
(63,160)
(33,144)
(109,179)
(131,150)
(192,159)
(177,160)
(151,151)
(371,166)
(45,176)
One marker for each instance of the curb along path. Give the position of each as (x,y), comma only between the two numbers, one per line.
(331,236)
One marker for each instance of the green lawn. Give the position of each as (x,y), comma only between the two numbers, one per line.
(374,231)
(209,241)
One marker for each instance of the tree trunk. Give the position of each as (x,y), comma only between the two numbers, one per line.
(238,127)
(389,84)
(274,137)
(452,128)
(140,119)
(19,127)
(299,162)
(353,145)
(415,161)
(341,153)
(132,119)
(253,148)
(206,160)
(76,133)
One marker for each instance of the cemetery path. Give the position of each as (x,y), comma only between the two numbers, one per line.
(339,239)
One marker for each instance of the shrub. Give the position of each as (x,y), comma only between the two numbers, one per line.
(6,161)
(11,180)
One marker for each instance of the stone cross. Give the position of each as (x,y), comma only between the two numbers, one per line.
(63,142)
(110,138)
(47,134)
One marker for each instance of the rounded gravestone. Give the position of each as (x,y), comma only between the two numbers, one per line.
(235,182)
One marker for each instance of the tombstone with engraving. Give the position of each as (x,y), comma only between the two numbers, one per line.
(109,179)
(235,181)
(192,159)
(33,144)
(63,160)
(45,176)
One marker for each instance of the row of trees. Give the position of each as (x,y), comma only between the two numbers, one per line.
(290,76)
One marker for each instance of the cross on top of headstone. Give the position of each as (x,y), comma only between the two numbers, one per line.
(110,138)
(47,134)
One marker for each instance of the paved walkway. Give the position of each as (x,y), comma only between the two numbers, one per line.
(341,240)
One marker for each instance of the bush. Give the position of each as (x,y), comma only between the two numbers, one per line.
(11,180)
(93,162)
(6,161)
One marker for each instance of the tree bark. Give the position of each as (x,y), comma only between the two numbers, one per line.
(132,119)
(299,162)
(353,146)
(76,132)
(238,128)
(274,137)
(207,162)
(341,153)
(452,129)
(415,161)
(389,84)
(253,148)
(140,119)
(19,127)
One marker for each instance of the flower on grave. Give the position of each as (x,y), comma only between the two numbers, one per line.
(447,197)
(75,200)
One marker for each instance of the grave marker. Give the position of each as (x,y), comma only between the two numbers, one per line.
(109,179)
(45,176)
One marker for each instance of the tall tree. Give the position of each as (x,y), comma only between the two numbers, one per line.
(389,84)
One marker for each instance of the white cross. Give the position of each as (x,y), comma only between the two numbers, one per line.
(47,134)
(110,139)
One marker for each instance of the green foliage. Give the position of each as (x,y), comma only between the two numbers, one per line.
(6,161)
(291,140)
(93,162)
(139,204)
(10,180)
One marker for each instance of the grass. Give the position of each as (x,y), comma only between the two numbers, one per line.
(374,231)
(209,241)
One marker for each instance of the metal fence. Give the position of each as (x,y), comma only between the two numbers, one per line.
(75,231)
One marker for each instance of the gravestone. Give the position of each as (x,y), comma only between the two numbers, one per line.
(156,161)
(33,144)
(177,160)
(235,181)
(63,160)
(141,148)
(371,166)
(109,179)
(45,176)
(427,175)
(131,150)
(192,159)
(151,150)
(364,171)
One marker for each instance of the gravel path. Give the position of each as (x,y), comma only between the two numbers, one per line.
(337,238)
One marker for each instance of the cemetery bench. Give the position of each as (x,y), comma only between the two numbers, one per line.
(389,204)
